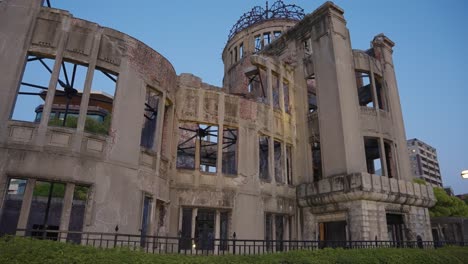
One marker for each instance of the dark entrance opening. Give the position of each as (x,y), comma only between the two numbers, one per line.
(332,234)
(204,229)
(395,228)
(186,232)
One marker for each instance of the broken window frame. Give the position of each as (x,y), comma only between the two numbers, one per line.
(276,34)
(264,155)
(255,83)
(266,39)
(196,137)
(230,142)
(184,150)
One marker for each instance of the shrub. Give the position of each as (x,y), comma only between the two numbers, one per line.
(23,250)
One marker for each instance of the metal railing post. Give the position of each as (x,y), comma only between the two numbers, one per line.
(234,243)
(116,235)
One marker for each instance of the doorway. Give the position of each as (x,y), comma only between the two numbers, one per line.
(204,229)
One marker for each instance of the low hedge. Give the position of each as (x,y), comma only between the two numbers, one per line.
(22,250)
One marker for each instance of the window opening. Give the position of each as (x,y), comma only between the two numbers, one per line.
(276,34)
(266,39)
(208,147)
(101,100)
(390,159)
(207,136)
(241,51)
(258,43)
(229,151)
(289,179)
(317,161)
(186,147)
(33,89)
(256,85)
(364,87)
(263,157)
(12,206)
(276,89)
(279,170)
(235,54)
(332,234)
(287,106)
(307,47)
(373,159)
(67,98)
(150,119)
(46,209)
(77,214)
(380,95)
(312,94)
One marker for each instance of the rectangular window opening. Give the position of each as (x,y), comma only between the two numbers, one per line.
(364,87)
(276,91)
(268,230)
(148,131)
(46,209)
(279,232)
(316,161)
(33,89)
(241,51)
(276,34)
(101,100)
(263,157)
(229,151)
(208,148)
(372,150)
(186,147)
(77,215)
(258,43)
(312,94)
(289,178)
(185,242)
(287,106)
(12,206)
(235,54)
(67,99)
(266,39)
(380,93)
(279,166)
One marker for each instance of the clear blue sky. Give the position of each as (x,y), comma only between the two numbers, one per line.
(430,55)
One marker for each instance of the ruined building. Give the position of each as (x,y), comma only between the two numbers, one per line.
(305,140)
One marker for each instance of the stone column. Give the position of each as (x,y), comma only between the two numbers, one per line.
(66,209)
(341,140)
(383,49)
(26,206)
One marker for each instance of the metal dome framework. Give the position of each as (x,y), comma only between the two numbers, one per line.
(279,10)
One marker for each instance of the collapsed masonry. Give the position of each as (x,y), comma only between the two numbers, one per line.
(305,140)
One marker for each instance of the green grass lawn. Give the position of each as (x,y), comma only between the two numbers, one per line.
(21,250)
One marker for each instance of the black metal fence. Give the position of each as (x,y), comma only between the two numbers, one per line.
(194,246)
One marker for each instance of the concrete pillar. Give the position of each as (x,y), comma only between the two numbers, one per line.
(383,159)
(194,221)
(14,44)
(66,209)
(309,228)
(26,206)
(159,129)
(40,140)
(219,159)
(341,139)
(383,49)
